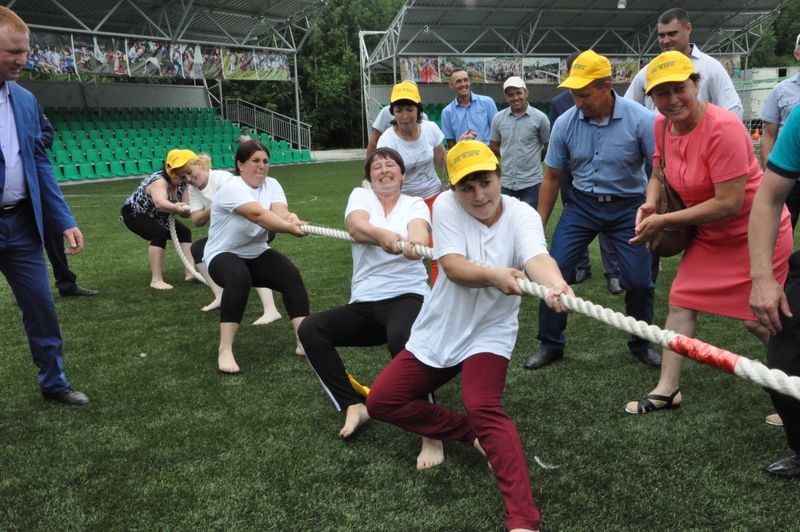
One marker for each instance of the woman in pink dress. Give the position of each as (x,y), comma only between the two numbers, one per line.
(710,163)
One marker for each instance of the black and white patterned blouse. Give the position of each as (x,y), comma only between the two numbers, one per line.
(142,204)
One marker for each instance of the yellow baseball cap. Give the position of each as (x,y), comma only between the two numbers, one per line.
(668,67)
(178,159)
(586,68)
(467,157)
(405,91)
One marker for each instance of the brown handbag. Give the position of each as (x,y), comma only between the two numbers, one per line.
(672,239)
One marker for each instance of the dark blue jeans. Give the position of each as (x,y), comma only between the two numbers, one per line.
(607,253)
(581,221)
(529,195)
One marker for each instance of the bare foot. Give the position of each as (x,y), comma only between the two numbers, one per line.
(299,351)
(477,445)
(226,362)
(190,279)
(268,317)
(633,406)
(160,285)
(430,455)
(214,305)
(356,416)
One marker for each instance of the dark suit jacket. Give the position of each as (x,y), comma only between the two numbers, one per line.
(43,190)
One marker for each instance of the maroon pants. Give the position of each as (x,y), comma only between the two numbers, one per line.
(399,396)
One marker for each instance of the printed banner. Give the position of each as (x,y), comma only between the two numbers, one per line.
(541,70)
(51,55)
(149,59)
(100,55)
(244,64)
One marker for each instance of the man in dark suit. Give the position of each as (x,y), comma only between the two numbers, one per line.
(66,280)
(29,199)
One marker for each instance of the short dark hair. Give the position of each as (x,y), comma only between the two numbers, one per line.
(675,13)
(477,176)
(383,153)
(600,82)
(406,102)
(572,57)
(246,150)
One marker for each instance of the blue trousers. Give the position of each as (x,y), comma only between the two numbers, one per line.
(23,265)
(607,253)
(581,221)
(529,195)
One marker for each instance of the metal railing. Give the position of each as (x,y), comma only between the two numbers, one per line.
(278,125)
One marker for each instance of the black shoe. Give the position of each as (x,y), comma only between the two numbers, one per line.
(582,274)
(68,396)
(786,467)
(542,358)
(613,285)
(79,291)
(649,357)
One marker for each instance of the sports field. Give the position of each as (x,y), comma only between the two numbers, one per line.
(170,444)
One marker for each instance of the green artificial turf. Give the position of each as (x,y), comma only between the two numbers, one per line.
(170,444)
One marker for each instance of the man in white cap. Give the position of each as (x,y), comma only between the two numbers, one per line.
(519,134)
(780,102)
(674,31)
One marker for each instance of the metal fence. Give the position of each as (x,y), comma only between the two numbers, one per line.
(279,126)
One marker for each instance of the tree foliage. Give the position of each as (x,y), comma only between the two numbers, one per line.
(329,73)
(777,45)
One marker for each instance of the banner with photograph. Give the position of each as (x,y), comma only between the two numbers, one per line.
(499,69)
(100,55)
(150,59)
(623,69)
(541,70)
(421,69)
(51,55)
(732,64)
(246,64)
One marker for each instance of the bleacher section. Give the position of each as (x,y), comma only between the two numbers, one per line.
(126,142)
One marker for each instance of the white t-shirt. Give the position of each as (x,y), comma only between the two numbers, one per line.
(455,321)
(421,179)
(233,233)
(379,275)
(202,199)
(384,120)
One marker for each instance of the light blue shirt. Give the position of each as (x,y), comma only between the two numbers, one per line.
(784,159)
(477,116)
(609,157)
(780,102)
(14,189)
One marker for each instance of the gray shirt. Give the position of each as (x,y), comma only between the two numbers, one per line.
(521,139)
(780,102)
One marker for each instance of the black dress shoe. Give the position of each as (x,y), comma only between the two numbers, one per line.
(613,285)
(68,396)
(79,291)
(649,357)
(542,358)
(786,467)
(582,274)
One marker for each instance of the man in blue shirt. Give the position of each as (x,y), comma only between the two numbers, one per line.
(776,307)
(583,268)
(467,113)
(607,142)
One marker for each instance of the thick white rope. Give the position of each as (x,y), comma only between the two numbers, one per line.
(185,261)
(746,368)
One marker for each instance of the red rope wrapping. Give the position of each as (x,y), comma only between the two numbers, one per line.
(705,353)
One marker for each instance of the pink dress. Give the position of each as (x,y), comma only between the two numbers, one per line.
(714,273)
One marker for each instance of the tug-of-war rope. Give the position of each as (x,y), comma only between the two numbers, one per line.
(693,348)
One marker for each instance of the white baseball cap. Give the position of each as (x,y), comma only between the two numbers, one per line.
(514,81)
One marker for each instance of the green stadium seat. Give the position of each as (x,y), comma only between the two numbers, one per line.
(131,168)
(71,145)
(62,157)
(77,156)
(120,154)
(59,173)
(276,157)
(101,169)
(93,155)
(296,156)
(146,166)
(106,154)
(305,155)
(116,169)
(134,153)
(86,171)
(71,172)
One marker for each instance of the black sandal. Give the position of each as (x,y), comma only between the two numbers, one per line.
(646,405)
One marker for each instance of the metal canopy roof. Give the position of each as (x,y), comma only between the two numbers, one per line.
(276,25)
(559,27)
